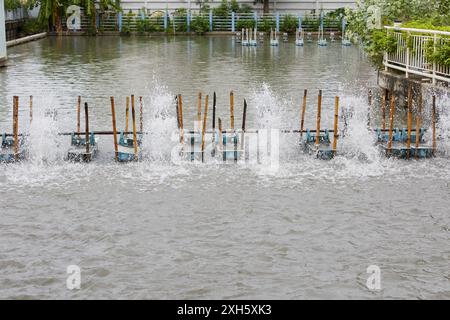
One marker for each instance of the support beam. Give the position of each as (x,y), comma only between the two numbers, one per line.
(2,35)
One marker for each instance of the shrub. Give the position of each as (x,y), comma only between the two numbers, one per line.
(289,24)
(32,26)
(380,42)
(266,24)
(441,55)
(200,24)
(245,23)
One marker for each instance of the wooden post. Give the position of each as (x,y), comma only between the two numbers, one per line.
(31,109)
(141,116)
(221,140)
(433,123)
(199,110)
(79,116)
(383,110)
(86,117)
(180,112)
(302,121)
(244,119)
(391,122)
(133,116)
(204,126)
(244,116)
(113,111)
(213,152)
(127,108)
(408,138)
(232,109)
(336,119)
(369,100)
(319,110)
(16,126)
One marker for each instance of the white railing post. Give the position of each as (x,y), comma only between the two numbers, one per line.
(2,34)
(434,63)
(407,55)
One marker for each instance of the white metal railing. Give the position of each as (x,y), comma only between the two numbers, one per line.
(410,55)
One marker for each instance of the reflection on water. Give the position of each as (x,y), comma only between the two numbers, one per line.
(159,230)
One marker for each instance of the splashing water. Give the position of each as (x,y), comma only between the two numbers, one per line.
(159,123)
(43,141)
(358,141)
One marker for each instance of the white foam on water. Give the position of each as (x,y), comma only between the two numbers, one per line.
(160,123)
(43,143)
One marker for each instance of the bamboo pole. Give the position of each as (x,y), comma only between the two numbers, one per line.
(391,121)
(408,139)
(383,109)
(336,120)
(133,116)
(214,115)
(141,115)
(79,115)
(31,109)
(319,110)
(232,109)
(113,111)
(302,121)
(213,153)
(199,110)
(127,108)
(433,123)
(86,117)
(180,112)
(204,126)
(16,126)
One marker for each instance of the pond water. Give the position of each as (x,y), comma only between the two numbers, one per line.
(158,229)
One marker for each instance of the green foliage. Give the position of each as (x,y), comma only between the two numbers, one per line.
(204,6)
(289,24)
(226,7)
(32,26)
(223,10)
(12,4)
(426,24)
(200,24)
(380,42)
(245,23)
(266,24)
(420,14)
(180,19)
(126,23)
(245,8)
(440,55)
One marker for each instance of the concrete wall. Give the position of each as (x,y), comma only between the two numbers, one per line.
(282,6)
(2,34)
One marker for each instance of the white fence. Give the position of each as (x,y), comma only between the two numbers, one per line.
(410,55)
(2,33)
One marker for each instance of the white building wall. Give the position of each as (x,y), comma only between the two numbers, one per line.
(281,6)
(2,33)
